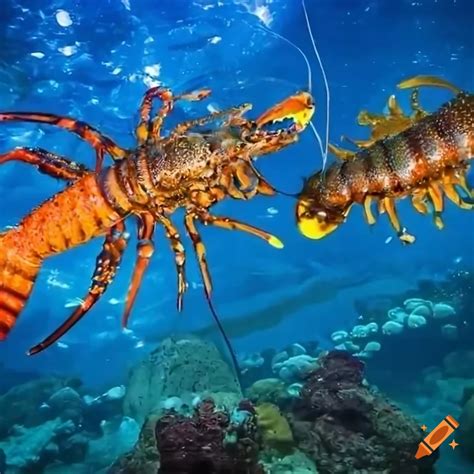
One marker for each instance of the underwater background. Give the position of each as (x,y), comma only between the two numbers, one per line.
(86,398)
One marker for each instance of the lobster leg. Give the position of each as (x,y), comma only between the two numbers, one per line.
(231,224)
(225,223)
(234,114)
(206,277)
(262,187)
(148,127)
(105,270)
(143,129)
(240,183)
(200,253)
(190,97)
(436,196)
(453,196)
(341,153)
(179,257)
(418,201)
(369,216)
(47,163)
(418,112)
(402,234)
(145,250)
(99,142)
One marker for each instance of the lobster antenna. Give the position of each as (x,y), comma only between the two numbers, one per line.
(259,175)
(293,45)
(230,348)
(326,84)
(318,138)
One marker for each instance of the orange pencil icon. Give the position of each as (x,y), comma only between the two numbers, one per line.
(437,436)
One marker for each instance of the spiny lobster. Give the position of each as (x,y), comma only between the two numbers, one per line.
(185,169)
(425,156)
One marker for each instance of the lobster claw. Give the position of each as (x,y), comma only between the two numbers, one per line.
(299,108)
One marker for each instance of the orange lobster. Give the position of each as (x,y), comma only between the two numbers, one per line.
(185,170)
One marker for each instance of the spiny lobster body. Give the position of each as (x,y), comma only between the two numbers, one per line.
(423,156)
(185,170)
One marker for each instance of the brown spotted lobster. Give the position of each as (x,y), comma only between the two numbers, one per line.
(425,156)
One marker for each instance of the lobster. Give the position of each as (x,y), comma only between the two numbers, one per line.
(424,156)
(186,169)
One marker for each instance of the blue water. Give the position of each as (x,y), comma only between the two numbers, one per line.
(97,68)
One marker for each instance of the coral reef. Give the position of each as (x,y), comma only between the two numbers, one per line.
(177,368)
(261,365)
(144,457)
(53,424)
(20,405)
(67,404)
(267,390)
(32,449)
(252,372)
(346,428)
(293,364)
(318,414)
(415,313)
(294,463)
(209,442)
(276,431)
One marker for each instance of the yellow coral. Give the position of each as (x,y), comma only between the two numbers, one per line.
(275,429)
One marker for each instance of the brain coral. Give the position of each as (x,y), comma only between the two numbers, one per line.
(177,368)
(274,426)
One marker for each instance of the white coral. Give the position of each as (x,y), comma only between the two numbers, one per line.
(392,327)
(443,310)
(416,321)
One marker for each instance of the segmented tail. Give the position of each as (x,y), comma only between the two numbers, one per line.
(18,271)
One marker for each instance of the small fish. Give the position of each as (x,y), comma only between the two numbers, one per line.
(272,211)
(115,301)
(115,393)
(213,108)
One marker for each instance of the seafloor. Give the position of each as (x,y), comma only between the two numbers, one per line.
(299,409)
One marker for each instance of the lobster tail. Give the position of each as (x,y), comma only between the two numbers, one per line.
(18,272)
